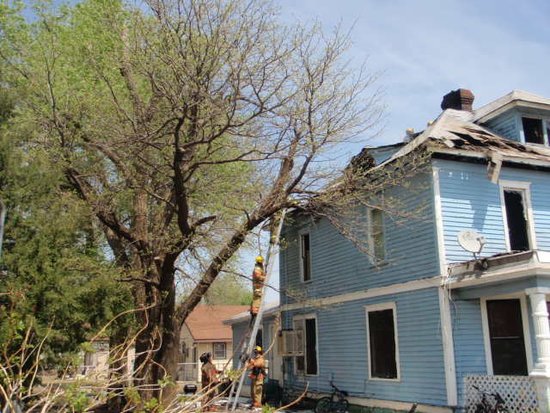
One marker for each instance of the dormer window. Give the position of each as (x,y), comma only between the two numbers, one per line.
(535,130)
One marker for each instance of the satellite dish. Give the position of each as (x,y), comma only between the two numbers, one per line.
(471,241)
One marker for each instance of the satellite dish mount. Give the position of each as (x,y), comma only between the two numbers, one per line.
(471,241)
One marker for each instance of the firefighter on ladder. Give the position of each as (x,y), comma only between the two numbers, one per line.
(258,278)
(256,365)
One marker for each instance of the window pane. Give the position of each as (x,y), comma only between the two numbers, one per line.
(382,344)
(299,360)
(311,346)
(219,351)
(377,233)
(515,217)
(306,257)
(506,336)
(532,130)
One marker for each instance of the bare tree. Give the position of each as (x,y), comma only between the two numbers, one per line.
(185,125)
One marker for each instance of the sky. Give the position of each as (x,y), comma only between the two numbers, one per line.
(423,49)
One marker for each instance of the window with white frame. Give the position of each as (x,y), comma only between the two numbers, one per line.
(382,341)
(506,337)
(516,210)
(305,256)
(307,362)
(219,351)
(536,130)
(376,234)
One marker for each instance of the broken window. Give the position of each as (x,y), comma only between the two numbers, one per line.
(307,363)
(305,253)
(506,337)
(382,343)
(376,227)
(533,130)
(516,218)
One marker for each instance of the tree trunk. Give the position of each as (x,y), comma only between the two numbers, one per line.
(158,342)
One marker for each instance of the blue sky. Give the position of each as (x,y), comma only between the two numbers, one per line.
(425,48)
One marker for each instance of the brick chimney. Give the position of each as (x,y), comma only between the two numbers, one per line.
(460,99)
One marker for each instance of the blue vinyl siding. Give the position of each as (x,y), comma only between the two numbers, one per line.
(468,341)
(540,201)
(343,353)
(506,125)
(470,200)
(238,330)
(339,266)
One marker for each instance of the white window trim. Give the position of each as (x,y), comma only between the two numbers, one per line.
(304,317)
(372,257)
(525,187)
(300,233)
(545,123)
(380,307)
(524,322)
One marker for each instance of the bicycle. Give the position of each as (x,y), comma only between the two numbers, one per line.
(328,404)
(485,406)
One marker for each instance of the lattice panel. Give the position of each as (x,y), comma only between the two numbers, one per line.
(518,392)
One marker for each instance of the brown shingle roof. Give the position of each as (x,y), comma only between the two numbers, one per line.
(206,321)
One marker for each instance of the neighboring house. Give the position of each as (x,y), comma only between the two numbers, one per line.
(202,332)
(419,319)
(96,359)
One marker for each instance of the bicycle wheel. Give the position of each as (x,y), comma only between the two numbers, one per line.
(323,405)
(340,406)
(480,408)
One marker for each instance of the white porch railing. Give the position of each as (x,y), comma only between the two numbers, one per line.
(518,392)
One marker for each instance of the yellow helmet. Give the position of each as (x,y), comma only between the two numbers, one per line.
(258,348)
(260,259)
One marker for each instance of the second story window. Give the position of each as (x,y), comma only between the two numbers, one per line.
(305,257)
(376,234)
(517,216)
(536,130)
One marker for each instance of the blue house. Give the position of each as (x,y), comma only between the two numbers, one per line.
(452,297)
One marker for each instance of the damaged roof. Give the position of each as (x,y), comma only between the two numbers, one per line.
(454,132)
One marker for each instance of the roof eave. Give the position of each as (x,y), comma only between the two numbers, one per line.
(482,155)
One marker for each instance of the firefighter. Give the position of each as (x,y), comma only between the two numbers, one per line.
(209,380)
(258,278)
(256,365)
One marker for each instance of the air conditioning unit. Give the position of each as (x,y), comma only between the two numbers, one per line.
(291,343)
